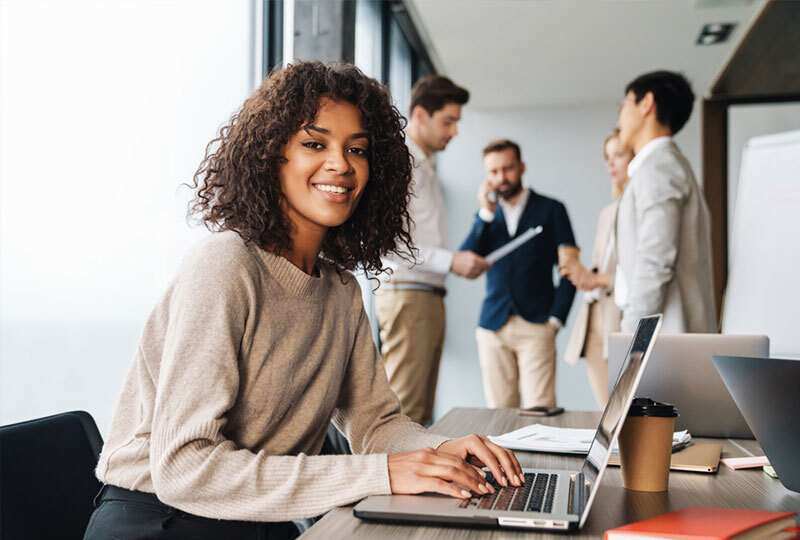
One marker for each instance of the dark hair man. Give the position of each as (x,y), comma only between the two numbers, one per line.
(663,229)
(410,303)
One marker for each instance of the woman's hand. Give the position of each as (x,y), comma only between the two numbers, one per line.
(570,268)
(480,451)
(583,279)
(601,280)
(588,280)
(579,275)
(434,471)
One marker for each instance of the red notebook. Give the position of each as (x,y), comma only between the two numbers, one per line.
(710,524)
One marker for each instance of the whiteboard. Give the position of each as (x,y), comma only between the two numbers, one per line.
(763,293)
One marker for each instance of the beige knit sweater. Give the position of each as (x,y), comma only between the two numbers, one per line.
(240,368)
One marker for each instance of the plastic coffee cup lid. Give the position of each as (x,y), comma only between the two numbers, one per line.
(648,407)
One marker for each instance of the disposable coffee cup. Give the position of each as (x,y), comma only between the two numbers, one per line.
(645,445)
(641,505)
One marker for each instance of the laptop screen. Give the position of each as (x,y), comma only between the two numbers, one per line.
(618,404)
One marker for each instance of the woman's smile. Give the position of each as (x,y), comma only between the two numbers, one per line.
(335,191)
(326,168)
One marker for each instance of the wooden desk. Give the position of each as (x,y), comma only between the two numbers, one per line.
(613,505)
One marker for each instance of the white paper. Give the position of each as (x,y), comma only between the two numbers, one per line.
(502,251)
(542,438)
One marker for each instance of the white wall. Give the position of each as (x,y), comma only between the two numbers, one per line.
(562,148)
(105,108)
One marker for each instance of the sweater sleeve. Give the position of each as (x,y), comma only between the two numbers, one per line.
(368,412)
(194,466)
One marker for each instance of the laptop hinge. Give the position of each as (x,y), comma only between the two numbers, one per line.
(578,493)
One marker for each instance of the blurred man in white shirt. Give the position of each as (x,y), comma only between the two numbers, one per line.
(410,301)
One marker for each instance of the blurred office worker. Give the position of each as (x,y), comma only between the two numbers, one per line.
(598,314)
(663,231)
(410,302)
(522,311)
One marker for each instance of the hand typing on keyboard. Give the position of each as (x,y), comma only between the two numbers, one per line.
(535,495)
(480,451)
(454,469)
(431,471)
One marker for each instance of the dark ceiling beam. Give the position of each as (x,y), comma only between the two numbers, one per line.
(766,61)
(764,68)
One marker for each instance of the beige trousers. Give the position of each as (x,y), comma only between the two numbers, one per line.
(594,352)
(518,363)
(411,326)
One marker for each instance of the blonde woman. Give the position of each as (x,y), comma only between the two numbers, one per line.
(598,315)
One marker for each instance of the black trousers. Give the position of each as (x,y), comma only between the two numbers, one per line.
(122,514)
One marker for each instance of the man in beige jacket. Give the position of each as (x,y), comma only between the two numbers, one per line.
(663,231)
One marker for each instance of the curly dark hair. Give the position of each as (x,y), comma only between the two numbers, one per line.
(237,185)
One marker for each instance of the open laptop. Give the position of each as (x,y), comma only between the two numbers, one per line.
(680,372)
(549,499)
(765,389)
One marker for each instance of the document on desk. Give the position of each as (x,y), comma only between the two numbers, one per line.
(542,438)
(502,251)
(748,462)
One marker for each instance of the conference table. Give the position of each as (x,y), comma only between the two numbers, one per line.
(613,506)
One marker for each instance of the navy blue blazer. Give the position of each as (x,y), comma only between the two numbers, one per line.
(521,283)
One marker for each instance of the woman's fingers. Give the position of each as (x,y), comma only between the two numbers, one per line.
(478,449)
(478,468)
(427,465)
(458,475)
(490,453)
(454,463)
(437,485)
(508,460)
(448,474)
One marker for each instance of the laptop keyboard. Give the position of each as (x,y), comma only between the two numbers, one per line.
(535,495)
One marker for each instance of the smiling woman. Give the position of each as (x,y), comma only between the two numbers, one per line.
(261,340)
(307,125)
(325,173)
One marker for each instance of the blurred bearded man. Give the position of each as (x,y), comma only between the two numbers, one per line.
(523,309)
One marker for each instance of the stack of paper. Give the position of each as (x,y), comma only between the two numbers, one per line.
(749,462)
(541,438)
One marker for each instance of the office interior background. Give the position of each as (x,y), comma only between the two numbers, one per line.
(106,108)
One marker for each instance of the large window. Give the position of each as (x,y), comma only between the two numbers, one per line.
(101,120)
(369,37)
(407,58)
(400,67)
(324,30)
(105,109)
(384,50)
(377,35)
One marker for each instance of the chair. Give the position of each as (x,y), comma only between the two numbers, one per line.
(47,481)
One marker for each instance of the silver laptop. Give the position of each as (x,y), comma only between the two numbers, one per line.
(549,499)
(681,373)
